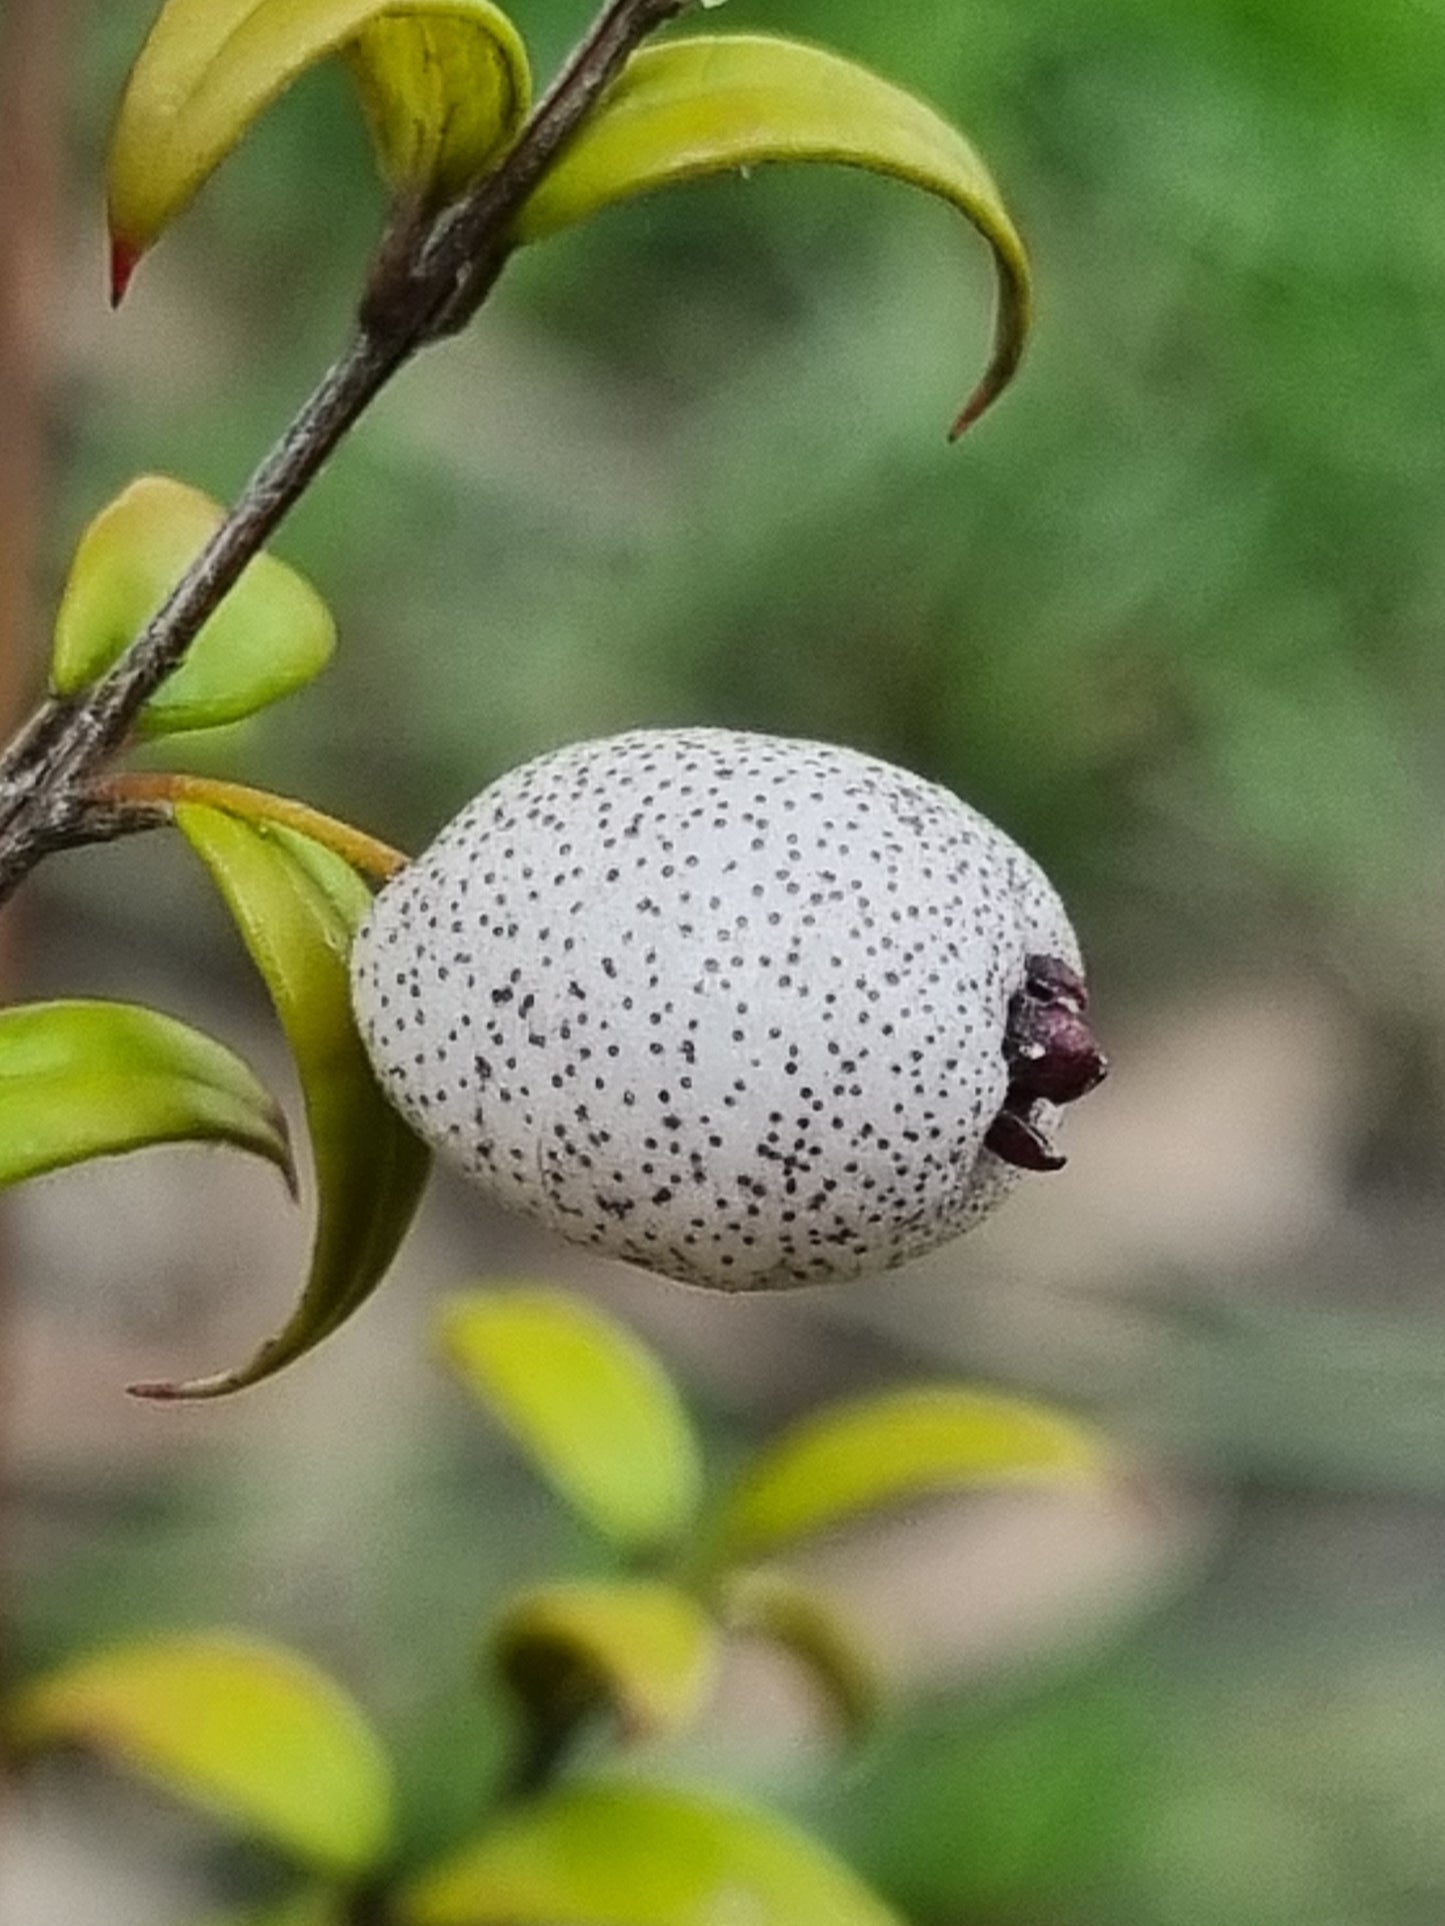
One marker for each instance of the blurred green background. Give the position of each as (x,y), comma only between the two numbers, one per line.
(1172,614)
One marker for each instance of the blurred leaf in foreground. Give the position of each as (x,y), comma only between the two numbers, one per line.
(771,1606)
(647,1650)
(629,1855)
(588,1403)
(855,1458)
(246,1731)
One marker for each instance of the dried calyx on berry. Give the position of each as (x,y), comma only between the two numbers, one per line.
(1052,1055)
(747,1011)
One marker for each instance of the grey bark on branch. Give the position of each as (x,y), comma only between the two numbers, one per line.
(431,277)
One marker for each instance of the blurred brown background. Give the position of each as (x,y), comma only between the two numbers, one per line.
(1173,616)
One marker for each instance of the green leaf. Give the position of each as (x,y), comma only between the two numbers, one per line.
(770,1606)
(81,1080)
(630,1855)
(270,636)
(444,85)
(370,1170)
(587,1402)
(647,1650)
(854,1458)
(715,105)
(248,1732)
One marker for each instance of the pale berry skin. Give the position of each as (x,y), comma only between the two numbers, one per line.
(732,1007)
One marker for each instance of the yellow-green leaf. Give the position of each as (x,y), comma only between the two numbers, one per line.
(771,1606)
(444,85)
(645,1649)
(713,105)
(271,635)
(631,1855)
(589,1404)
(854,1458)
(370,1170)
(251,1734)
(81,1080)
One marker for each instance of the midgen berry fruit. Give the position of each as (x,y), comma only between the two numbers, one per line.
(746,1011)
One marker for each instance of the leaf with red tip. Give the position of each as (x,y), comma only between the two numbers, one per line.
(444,85)
(297,918)
(714,105)
(246,1731)
(124,260)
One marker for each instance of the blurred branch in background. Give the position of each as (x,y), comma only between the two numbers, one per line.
(34,35)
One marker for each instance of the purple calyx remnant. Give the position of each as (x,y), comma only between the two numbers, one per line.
(1052,1057)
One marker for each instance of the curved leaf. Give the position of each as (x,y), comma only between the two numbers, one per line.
(712,105)
(770,1606)
(444,84)
(631,1855)
(854,1458)
(248,1732)
(81,1080)
(645,1649)
(589,1405)
(271,635)
(370,1170)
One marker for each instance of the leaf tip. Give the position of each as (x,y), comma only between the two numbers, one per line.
(125,258)
(980,401)
(287,1165)
(1011,333)
(159,1392)
(185,1391)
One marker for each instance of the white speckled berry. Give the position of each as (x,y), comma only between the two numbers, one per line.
(729,1006)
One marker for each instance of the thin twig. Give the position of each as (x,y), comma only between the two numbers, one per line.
(160,794)
(454,265)
(82,821)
